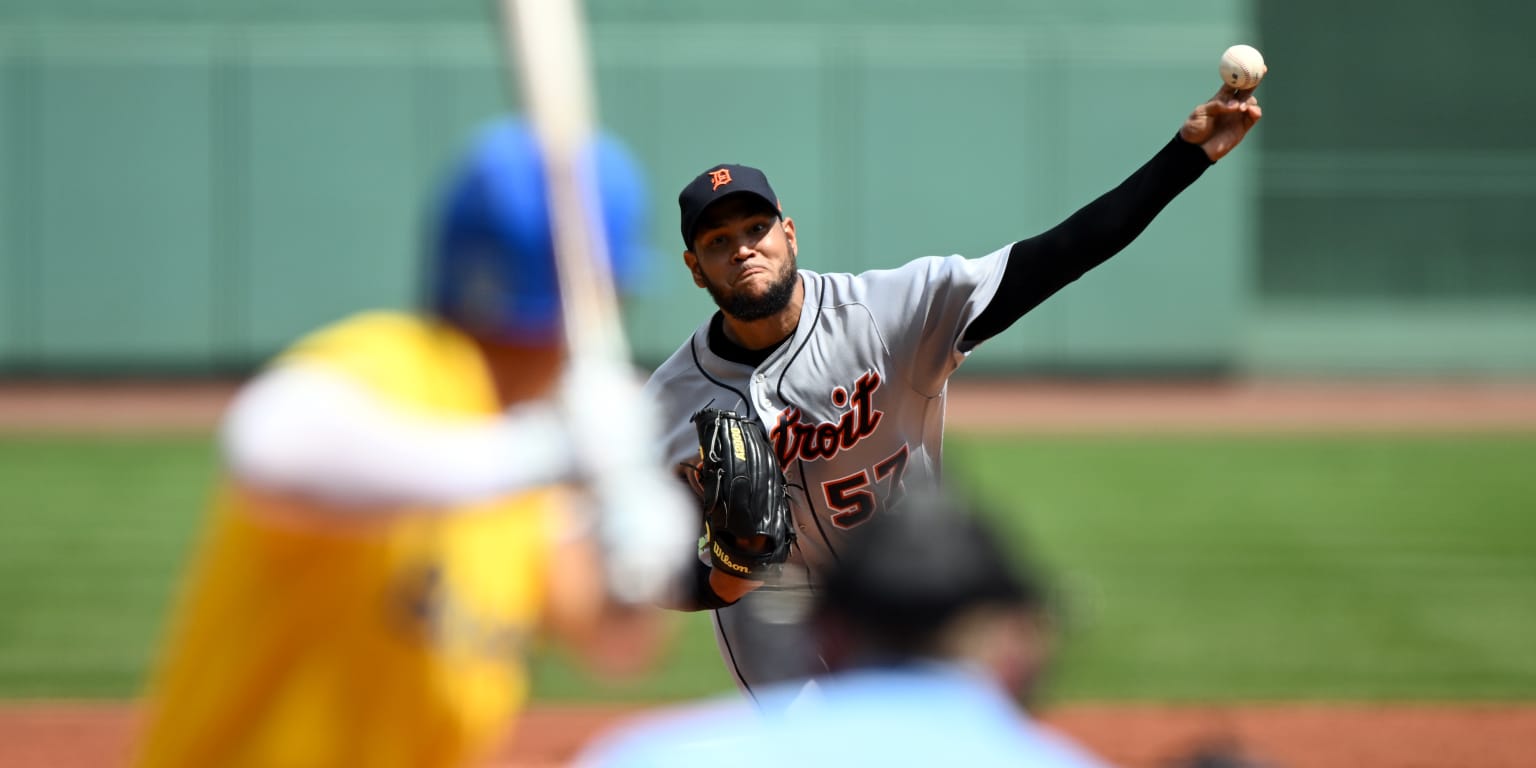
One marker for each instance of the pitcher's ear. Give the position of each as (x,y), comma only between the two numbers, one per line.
(692,263)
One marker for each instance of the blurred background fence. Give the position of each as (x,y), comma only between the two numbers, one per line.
(185,186)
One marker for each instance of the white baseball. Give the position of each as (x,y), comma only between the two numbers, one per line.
(1242,67)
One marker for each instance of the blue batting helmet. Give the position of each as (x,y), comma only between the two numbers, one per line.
(493,263)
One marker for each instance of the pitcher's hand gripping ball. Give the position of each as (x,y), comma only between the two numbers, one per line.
(747,524)
(1242,67)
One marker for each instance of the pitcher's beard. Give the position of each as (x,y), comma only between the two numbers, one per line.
(770,303)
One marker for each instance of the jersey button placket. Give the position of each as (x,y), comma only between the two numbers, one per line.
(760,391)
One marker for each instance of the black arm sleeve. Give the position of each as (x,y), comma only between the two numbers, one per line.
(1046,263)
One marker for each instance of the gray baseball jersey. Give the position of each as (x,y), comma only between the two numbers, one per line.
(854,405)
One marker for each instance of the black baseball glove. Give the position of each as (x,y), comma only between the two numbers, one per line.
(747,525)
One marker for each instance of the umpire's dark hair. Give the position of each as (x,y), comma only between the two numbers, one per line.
(921,566)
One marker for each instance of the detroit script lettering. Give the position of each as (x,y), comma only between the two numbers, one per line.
(792,438)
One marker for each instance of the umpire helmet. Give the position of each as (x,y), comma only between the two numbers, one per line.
(916,569)
(492,265)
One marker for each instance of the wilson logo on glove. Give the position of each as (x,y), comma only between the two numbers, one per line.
(724,559)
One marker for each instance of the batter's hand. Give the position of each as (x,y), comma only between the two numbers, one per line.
(1220,124)
(646,523)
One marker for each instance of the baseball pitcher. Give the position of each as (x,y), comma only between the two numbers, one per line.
(840,379)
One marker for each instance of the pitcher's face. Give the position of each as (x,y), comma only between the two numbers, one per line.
(744,255)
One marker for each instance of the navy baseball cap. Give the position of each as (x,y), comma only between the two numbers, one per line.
(492,270)
(709,187)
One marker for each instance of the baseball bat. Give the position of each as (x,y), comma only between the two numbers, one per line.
(546,44)
(643,543)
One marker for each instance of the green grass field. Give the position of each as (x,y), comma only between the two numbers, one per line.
(1189,567)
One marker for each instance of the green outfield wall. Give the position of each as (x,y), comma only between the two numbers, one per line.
(185,186)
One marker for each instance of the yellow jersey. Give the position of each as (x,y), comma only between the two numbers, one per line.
(395,643)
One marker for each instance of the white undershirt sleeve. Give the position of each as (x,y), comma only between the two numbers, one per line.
(309,430)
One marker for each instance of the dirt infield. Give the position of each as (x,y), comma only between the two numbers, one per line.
(1135,736)
(1041,406)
